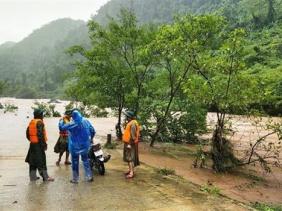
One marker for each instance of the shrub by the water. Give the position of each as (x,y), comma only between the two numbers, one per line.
(49,109)
(10,108)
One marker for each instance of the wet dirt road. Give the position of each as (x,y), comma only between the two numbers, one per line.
(147,191)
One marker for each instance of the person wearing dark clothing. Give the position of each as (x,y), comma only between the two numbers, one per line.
(62,143)
(36,157)
(131,138)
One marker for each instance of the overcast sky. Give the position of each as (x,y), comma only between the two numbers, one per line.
(18,18)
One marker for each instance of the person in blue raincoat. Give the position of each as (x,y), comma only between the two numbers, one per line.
(81,133)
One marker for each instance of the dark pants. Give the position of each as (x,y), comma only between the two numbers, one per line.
(75,164)
(42,171)
(36,158)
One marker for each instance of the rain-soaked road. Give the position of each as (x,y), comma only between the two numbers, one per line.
(147,191)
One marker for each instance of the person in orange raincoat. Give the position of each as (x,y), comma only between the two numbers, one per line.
(130,138)
(36,157)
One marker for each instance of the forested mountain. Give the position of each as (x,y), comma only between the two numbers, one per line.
(156,11)
(261,19)
(6,45)
(239,12)
(36,66)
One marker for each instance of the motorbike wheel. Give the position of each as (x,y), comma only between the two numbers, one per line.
(101,168)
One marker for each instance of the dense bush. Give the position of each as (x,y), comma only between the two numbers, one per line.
(49,109)
(9,108)
(187,125)
(27,93)
(87,110)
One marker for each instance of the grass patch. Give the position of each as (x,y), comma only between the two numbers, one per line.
(248,174)
(256,178)
(210,189)
(166,171)
(266,207)
(173,150)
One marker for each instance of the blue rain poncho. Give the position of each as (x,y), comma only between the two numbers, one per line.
(81,132)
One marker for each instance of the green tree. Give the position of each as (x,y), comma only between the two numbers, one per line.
(177,48)
(226,87)
(129,42)
(2,86)
(114,70)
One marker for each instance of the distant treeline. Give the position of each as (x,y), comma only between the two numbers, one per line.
(38,66)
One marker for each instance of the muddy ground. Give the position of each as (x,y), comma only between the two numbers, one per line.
(149,190)
(248,185)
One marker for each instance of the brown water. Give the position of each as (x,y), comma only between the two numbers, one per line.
(147,191)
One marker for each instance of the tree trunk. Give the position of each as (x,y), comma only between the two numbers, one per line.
(136,110)
(162,120)
(109,139)
(154,136)
(118,125)
(222,151)
(271,12)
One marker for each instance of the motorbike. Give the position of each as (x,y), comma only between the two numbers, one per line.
(97,158)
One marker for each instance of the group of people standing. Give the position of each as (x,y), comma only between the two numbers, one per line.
(76,136)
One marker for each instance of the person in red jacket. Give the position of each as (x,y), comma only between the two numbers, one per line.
(131,138)
(62,144)
(36,157)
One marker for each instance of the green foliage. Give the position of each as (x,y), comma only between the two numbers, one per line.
(238,12)
(177,47)
(201,157)
(27,93)
(87,110)
(266,207)
(211,189)
(220,77)
(116,67)
(221,82)
(166,171)
(82,108)
(31,76)
(49,109)
(98,112)
(70,106)
(9,108)
(263,60)
(260,18)
(183,124)
(2,87)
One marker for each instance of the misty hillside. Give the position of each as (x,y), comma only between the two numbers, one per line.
(43,42)
(156,11)
(37,66)
(237,12)
(40,58)
(7,45)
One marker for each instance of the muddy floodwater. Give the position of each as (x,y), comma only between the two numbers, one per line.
(147,191)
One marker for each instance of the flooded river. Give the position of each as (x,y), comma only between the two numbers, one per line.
(147,191)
